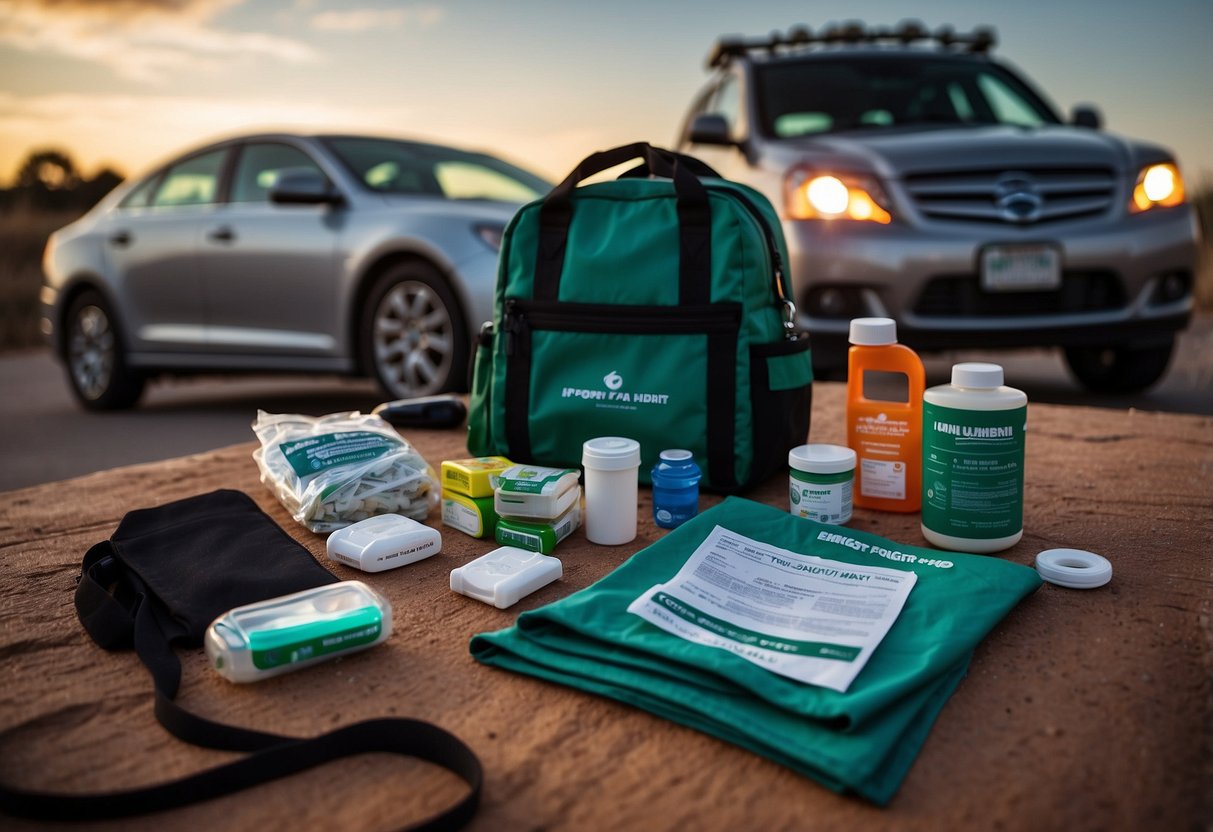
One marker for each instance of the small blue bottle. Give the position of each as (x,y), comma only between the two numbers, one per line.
(675,488)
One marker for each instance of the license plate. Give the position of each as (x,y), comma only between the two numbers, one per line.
(1034,268)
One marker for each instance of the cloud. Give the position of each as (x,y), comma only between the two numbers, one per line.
(126,8)
(132,132)
(140,40)
(361,20)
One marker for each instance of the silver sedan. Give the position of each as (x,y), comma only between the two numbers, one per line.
(282,252)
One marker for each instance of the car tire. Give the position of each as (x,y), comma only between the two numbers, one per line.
(1119,369)
(415,341)
(95,358)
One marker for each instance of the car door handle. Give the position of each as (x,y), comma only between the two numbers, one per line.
(121,238)
(223,234)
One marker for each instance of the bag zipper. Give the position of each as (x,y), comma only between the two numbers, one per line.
(521,315)
(787,304)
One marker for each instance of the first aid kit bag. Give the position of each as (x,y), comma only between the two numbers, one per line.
(654,306)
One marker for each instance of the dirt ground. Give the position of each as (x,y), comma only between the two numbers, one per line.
(1083,710)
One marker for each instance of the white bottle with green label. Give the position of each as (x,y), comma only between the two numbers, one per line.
(972,461)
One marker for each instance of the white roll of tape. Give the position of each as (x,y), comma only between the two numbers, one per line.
(1073,568)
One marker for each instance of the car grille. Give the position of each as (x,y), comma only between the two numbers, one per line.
(962,295)
(1017,197)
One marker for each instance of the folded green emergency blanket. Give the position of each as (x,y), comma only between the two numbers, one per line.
(857,735)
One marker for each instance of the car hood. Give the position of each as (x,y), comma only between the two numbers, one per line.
(905,151)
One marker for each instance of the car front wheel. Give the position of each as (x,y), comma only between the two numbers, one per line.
(95,359)
(1119,369)
(415,339)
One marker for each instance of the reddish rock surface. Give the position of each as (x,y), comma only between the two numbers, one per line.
(1083,710)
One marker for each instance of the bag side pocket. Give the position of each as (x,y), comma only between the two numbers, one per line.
(480,406)
(781,394)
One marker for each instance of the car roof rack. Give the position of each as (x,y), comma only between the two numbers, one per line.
(980,41)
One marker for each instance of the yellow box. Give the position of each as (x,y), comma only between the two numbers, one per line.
(474,477)
(474,516)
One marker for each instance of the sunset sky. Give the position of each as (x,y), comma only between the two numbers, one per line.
(127,82)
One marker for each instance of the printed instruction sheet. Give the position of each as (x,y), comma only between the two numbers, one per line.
(813,620)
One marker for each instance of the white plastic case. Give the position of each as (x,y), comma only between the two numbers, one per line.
(505,576)
(271,637)
(383,542)
(535,492)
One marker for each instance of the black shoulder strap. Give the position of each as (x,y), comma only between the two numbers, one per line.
(114,607)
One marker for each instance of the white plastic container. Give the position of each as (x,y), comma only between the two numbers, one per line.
(821,482)
(271,637)
(505,576)
(383,542)
(972,461)
(612,467)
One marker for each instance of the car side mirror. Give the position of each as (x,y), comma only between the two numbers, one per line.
(303,186)
(711,128)
(1086,115)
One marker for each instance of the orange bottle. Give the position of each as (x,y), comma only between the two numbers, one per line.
(885,381)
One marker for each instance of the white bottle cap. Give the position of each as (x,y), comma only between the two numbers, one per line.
(822,459)
(873,332)
(610,453)
(675,455)
(977,374)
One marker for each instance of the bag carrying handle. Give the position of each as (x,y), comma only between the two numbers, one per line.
(663,165)
(116,611)
(602,160)
(694,222)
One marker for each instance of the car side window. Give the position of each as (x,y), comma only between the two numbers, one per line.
(192,182)
(467,180)
(141,194)
(701,102)
(727,102)
(261,164)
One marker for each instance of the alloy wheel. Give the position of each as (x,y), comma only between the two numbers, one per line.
(413,339)
(91,351)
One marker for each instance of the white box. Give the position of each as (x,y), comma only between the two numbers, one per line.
(505,576)
(383,542)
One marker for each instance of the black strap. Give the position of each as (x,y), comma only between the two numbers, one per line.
(408,737)
(518,390)
(665,166)
(117,614)
(722,408)
(694,222)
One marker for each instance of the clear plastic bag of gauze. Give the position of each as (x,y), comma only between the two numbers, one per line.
(331,471)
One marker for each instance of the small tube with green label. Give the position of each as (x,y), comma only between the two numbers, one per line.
(272,637)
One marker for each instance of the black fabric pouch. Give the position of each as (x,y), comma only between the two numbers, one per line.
(158,583)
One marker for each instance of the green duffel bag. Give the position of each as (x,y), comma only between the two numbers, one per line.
(654,307)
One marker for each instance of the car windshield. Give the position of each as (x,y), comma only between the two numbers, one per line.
(797,98)
(396,167)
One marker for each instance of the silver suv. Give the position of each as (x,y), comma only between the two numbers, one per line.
(922,180)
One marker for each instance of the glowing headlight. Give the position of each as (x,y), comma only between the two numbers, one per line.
(1158,186)
(810,195)
(827,194)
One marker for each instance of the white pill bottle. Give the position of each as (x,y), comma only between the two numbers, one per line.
(972,461)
